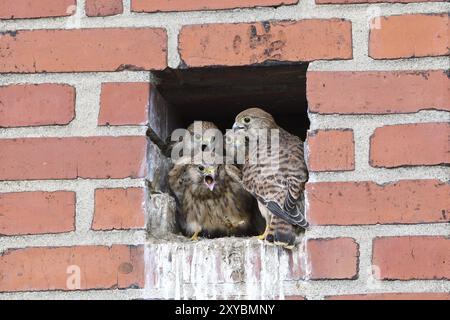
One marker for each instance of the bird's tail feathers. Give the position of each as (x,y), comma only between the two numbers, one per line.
(281,233)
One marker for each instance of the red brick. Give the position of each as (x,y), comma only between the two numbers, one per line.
(24,213)
(183,5)
(71,158)
(80,50)
(250,43)
(22,9)
(409,36)
(102,8)
(36,105)
(372,1)
(360,203)
(333,258)
(410,145)
(37,269)
(117,209)
(331,150)
(412,258)
(124,104)
(330,258)
(378,92)
(394,296)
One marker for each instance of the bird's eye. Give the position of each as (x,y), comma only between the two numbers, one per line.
(247,120)
(201,168)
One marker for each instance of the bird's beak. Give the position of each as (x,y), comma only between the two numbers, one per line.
(210,182)
(209,179)
(238,126)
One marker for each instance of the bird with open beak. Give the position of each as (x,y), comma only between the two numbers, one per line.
(209,174)
(210,202)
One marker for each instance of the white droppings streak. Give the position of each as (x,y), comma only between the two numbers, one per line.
(217,269)
(251,279)
(304,257)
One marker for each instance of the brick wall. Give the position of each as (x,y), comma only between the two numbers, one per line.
(77,95)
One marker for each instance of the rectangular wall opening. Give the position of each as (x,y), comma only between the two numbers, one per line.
(184,268)
(218,95)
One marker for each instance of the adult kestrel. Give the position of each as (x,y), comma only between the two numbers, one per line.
(276,179)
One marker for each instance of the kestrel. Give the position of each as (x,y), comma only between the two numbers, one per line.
(211,203)
(199,134)
(276,179)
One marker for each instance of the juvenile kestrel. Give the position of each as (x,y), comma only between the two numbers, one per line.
(276,179)
(211,203)
(199,134)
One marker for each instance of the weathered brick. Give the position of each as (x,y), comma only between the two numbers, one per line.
(394,296)
(103,8)
(331,150)
(22,9)
(360,203)
(124,104)
(377,92)
(23,213)
(183,5)
(117,209)
(71,158)
(335,258)
(410,145)
(251,43)
(330,258)
(36,105)
(409,36)
(409,258)
(80,50)
(55,268)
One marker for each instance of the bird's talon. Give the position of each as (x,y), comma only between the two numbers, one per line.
(195,237)
(261,237)
(264,235)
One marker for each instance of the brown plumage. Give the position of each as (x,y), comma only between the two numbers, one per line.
(210,202)
(277,179)
(204,139)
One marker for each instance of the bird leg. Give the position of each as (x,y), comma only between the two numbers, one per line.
(195,236)
(267,216)
(263,236)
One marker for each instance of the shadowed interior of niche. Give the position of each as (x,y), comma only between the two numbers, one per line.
(219,94)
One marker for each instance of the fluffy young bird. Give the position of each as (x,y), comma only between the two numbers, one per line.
(278,188)
(203,138)
(211,202)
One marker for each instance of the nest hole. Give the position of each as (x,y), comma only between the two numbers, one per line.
(218,94)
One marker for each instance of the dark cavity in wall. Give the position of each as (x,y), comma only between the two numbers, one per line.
(219,94)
